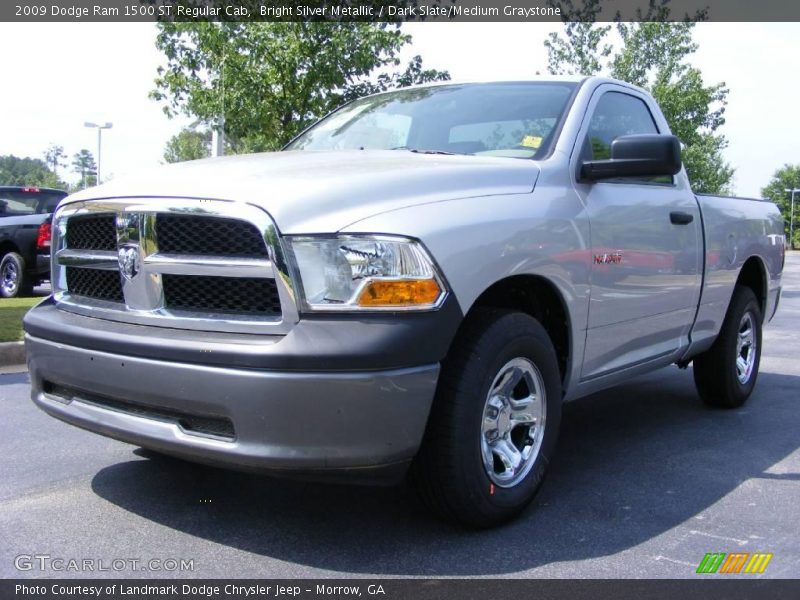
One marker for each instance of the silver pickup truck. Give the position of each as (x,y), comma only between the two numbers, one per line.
(413,286)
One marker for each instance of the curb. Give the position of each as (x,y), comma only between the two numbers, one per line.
(12,353)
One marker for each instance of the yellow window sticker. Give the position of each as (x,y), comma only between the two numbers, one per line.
(531,141)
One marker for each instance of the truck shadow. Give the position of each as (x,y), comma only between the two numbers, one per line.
(633,462)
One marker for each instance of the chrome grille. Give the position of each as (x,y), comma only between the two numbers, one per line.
(191,234)
(207,265)
(92,232)
(221,294)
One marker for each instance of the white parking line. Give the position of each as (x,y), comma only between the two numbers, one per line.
(719,537)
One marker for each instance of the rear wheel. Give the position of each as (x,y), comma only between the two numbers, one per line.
(13,281)
(726,373)
(494,423)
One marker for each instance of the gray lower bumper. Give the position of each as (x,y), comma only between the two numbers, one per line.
(314,421)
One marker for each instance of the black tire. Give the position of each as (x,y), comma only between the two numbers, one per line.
(716,374)
(448,472)
(13,280)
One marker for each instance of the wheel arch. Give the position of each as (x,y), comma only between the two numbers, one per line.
(7,246)
(540,298)
(753,275)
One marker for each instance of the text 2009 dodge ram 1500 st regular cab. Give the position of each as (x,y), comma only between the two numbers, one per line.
(420,280)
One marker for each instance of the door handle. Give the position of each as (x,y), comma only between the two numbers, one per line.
(680,218)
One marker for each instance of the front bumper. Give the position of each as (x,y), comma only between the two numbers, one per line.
(366,424)
(341,397)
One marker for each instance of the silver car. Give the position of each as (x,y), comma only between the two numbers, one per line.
(415,285)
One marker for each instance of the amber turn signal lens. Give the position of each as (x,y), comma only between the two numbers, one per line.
(400,293)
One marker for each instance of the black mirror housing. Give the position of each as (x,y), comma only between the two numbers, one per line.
(641,155)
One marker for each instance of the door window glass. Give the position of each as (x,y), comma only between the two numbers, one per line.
(616,114)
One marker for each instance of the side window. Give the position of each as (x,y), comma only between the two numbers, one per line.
(616,114)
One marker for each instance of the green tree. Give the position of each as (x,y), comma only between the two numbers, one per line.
(413,74)
(271,80)
(54,156)
(188,144)
(652,53)
(83,164)
(786,178)
(27,171)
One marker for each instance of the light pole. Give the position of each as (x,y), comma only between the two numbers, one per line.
(791,217)
(99,128)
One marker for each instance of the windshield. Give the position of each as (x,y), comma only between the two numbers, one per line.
(28,201)
(509,119)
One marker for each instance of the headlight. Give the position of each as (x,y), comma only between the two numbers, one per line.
(365,273)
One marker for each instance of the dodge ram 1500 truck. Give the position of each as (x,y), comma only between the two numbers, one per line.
(25,237)
(414,285)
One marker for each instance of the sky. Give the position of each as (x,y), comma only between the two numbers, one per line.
(56,76)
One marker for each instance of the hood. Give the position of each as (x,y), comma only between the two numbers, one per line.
(323,192)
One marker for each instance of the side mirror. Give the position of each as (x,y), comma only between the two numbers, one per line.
(642,155)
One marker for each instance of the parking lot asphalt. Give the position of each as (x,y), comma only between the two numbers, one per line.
(646,481)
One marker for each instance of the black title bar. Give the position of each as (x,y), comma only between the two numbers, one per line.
(390,10)
(706,588)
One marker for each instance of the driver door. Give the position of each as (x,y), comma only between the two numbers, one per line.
(646,269)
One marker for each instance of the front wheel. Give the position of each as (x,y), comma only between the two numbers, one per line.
(494,423)
(726,373)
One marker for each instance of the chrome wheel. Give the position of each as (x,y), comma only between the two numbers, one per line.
(745,348)
(513,422)
(9,278)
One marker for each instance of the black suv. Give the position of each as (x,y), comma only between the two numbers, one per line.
(25,237)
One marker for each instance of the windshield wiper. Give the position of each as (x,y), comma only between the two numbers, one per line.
(418,151)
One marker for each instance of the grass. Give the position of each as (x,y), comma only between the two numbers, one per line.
(11,312)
